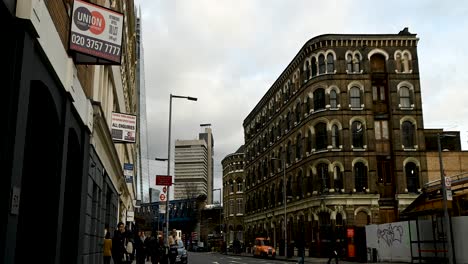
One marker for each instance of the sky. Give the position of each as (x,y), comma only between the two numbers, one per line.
(228,53)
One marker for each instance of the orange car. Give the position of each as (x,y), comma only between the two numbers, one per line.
(263,248)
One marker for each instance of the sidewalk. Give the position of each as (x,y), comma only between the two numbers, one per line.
(311,259)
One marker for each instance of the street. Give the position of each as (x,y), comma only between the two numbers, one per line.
(217,258)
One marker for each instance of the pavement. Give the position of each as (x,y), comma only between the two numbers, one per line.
(296,259)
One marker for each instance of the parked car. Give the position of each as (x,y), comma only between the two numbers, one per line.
(263,248)
(182,256)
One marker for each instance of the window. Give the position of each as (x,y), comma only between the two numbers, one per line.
(333,99)
(322,173)
(231,187)
(406,62)
(240,206)
(358,134)
(355,97)
(412,177)
(319,99)
(321,136)
(330,61)
(306,71)
(239,185)
(349,63)
(299,185)
(272,195)
(289,121)
(408,134)
(309,142)
(314,67)
(405,99)
(337,178)
(231,207)
(298,112)
(360,177)
(289,153)
(299,146)
(280,156)
(335,136)
(321,60)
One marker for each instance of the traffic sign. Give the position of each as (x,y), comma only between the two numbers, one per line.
(162,197)
(448,182)
(449,195)
(165,180)
(164,189)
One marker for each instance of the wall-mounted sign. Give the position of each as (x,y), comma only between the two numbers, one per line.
(95,34)
(128,172)
(123,127)
(164,180)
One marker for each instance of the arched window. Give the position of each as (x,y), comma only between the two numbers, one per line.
(298,146)
(321,60)
(357,63)
(406,63)
(322,174)
(281,191)
(360,177)
(310,182)
(280,156)
(289,153)
(333,99)
(272,195)
(355,97)
(289,121)
(330,63)
(335,136)
(358,134)
(349,63)
(309,142)
(321,136)
(289,188)
(299,184)
(408,134)
(319,99)
(298,112)
(306,71)
(398,62)
(405,98)
(278,128)
(314,67)
(337,178)
(412,177)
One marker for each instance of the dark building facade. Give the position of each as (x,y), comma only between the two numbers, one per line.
(345,122)
(233,196)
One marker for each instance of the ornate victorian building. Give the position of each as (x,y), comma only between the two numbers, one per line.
(233,195)
(345,122)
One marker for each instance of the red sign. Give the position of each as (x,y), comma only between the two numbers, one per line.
(164,189)
(162,197)
(350,233)
(164,180)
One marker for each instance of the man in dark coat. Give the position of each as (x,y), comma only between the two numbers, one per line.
(118,244)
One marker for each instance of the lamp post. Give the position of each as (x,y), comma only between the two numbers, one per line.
(285,206)
(169,156)
(444,197)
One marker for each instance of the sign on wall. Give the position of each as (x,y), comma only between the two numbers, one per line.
(128,172)
(123,127)
(96,33)
(164,180)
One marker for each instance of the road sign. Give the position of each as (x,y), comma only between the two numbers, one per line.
(164,189)
(448,182)
(164,180)
(162,197)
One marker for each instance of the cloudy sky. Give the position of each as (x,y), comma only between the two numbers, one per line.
(228,54)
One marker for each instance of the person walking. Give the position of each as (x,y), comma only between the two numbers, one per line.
(333,251)
(172,242)
(118,244)
(140,250)
(107,248)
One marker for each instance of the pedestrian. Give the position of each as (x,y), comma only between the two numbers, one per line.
(147,242)
(139,247)
(118,244)
(153,249)
(333,251)
(172,242)
(107,248)
(163,252)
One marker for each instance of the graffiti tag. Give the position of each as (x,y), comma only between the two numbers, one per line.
(391,235)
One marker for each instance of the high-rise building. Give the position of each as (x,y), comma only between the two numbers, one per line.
(143,177)
(193,169)
(208,137)
(190,169)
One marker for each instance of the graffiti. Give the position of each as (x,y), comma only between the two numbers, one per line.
(391,235)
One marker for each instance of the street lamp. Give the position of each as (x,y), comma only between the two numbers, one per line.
(169,156)
(444,197)
(285,206)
